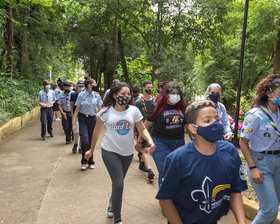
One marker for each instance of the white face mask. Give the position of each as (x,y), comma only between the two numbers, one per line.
(174,98)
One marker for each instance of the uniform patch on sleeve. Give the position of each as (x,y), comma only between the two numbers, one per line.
(265,120)
(249,130)
(247,121)
(242,173)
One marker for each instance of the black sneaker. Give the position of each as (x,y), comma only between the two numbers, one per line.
(150,175)
(74,149)
(68,142)
(119,221)
(139,156)
(43,138)
(80,150)
(142,167)
(52,134)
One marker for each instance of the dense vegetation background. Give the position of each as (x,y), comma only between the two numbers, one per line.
(194,42)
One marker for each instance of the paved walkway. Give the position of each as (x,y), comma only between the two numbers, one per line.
(41,183)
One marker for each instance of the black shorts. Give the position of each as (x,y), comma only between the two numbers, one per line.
(55,107)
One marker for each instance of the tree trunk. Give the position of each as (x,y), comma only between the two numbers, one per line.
(123,62)
(10,41)
(277,55)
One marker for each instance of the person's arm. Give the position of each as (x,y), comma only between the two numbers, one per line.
(61,111)
(42,104)
(170,211)
(77,110)
(146,135)
(256,175)
(95,136)
(227,130)
(237,207)
(54,99)
(147,124)
(71,108)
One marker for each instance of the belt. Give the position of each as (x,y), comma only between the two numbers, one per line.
(86,115)
(271,152)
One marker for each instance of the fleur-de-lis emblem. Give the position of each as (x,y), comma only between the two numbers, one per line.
(203,195)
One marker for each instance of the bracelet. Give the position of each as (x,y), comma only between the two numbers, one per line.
(252,167)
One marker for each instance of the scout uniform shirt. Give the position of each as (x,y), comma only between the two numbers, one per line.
(46,97)
(64,101)
(258,129)
(88,102)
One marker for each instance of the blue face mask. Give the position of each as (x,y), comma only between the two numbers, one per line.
(81,89)
(276,100)
(211,133)
(47,87)
(214,97)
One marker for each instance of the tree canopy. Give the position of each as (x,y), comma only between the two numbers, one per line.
(193,42)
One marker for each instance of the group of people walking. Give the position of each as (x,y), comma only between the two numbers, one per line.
(198,181)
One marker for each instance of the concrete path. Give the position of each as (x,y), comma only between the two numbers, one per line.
(41,183)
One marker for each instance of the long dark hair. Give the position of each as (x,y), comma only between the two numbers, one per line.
(269,83)
(115,88)
(160,103)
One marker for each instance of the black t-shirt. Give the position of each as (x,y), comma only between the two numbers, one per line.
(73,98)
(169,124)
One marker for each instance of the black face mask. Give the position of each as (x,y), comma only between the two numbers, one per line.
(123,100)
(67,90)
(214,97)
(94,88)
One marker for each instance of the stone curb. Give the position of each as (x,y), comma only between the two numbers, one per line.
(17,123)
(251,209)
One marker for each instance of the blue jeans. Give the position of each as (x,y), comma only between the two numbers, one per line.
(163,148)
(269,192)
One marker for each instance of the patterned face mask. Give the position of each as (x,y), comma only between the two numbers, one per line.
(123,100)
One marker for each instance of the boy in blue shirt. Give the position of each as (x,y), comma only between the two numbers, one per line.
(204,178)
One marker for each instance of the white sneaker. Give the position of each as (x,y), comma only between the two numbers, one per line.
(84,167)
(118,223)
(58,119)
(91,166)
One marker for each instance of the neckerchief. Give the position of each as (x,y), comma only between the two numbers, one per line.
(266,110)
(144,104)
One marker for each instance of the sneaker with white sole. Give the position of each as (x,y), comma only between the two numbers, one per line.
(110,213)
(91,166)
(84,167)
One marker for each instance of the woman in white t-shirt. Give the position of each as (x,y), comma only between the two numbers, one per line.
(118,142)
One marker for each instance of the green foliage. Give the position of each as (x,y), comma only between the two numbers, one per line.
(139,70)
(16,97)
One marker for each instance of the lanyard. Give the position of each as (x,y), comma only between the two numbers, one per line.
(144,104)
(265,109)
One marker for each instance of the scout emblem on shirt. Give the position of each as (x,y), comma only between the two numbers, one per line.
(206,196)
(266,135)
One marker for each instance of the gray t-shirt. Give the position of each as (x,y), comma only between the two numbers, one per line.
(119,135)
